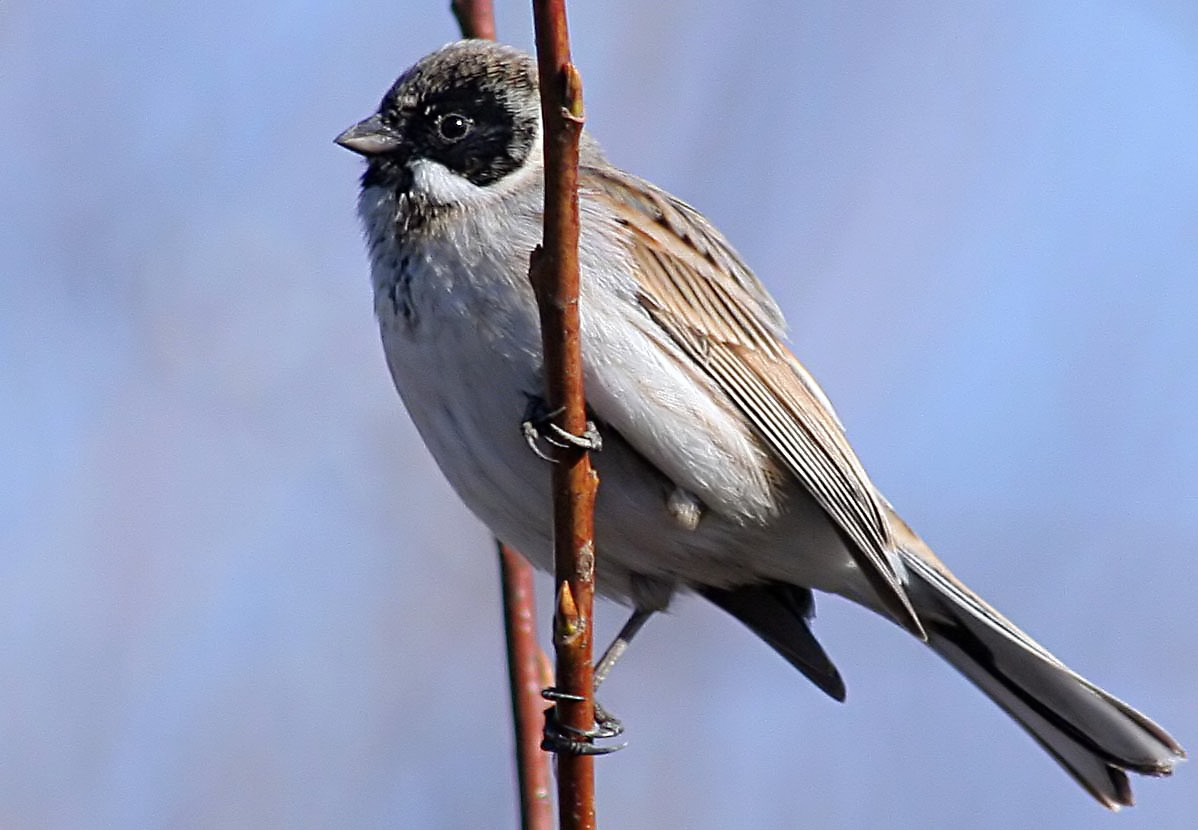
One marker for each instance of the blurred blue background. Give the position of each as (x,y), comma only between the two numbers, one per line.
(236,593)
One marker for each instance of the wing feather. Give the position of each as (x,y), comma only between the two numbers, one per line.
(697,289)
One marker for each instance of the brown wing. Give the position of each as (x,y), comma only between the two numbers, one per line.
(699,291)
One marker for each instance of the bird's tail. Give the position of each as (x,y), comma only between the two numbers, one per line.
(1093,735)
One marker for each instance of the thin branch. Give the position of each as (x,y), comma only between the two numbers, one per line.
(476,18)
(554,275)
(525,665)
(525,661)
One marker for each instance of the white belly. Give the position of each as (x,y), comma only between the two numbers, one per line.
(465,361)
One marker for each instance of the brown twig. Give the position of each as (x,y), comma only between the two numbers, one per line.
(525,660)
(476,18)
(554,275)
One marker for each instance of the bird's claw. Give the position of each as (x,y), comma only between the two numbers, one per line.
(590,440)
(562,738)
(538,425)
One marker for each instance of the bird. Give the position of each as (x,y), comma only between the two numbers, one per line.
(724,470)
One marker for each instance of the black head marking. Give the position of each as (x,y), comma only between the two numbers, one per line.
(471,106)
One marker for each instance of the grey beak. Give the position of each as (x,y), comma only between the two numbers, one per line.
(369,138)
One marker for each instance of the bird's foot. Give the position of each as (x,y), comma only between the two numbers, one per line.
(563,738)
(538,425)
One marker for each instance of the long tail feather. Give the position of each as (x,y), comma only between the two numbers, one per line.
(1096,737)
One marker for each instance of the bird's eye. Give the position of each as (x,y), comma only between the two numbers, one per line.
(454,127)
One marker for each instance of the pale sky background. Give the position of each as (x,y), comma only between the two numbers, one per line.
(236,593)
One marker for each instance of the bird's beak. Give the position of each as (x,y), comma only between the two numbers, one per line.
(369,138)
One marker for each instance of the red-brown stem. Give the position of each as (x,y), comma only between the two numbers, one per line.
(525,660)
(554,275)
(524,665)
(476,18)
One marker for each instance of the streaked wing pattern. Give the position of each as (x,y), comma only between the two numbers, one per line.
(699,291)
